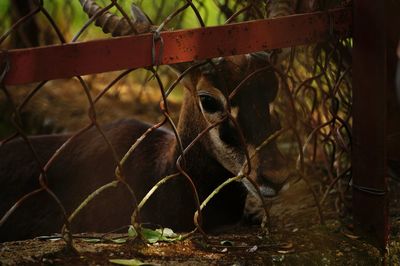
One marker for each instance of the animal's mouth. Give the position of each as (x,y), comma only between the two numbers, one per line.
(267,189)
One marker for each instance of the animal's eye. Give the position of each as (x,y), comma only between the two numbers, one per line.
(210,104)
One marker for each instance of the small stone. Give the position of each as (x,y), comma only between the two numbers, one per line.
(252,249)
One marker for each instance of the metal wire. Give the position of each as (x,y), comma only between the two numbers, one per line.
(314,105)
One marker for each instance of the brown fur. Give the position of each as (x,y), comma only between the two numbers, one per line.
(87,163)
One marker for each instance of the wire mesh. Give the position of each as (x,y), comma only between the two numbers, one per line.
(312,109)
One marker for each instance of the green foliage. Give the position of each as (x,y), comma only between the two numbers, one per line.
(70,17)
(154,236)
(4,21)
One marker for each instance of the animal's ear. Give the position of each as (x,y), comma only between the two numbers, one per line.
(188,78)
(270,83)
(266,79)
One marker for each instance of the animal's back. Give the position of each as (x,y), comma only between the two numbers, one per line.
(85,165)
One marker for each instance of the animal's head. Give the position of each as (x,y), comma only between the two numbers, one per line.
(234,92)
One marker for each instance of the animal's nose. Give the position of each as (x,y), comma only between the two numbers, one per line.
(272,173)
(269,189)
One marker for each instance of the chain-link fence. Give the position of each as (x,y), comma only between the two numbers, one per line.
(233,119)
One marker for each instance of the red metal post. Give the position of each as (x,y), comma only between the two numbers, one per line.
(369,120)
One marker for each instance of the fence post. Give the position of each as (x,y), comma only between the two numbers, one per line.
(370,201)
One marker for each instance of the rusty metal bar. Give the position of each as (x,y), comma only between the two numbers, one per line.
(67,60)
(369,121)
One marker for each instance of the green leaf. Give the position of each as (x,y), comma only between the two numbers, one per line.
(119,240)
(130,262)
(150,235)
(132,232)
(165,234)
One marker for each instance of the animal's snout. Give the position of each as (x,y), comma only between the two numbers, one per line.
(269,189)
(269,183)
(272,173)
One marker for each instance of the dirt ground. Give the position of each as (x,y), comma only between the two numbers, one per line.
(296,239)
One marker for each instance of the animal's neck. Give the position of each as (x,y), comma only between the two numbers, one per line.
(206,173)
(190,122)
(198,161)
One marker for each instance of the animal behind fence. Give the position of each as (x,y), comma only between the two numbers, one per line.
(223,125)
